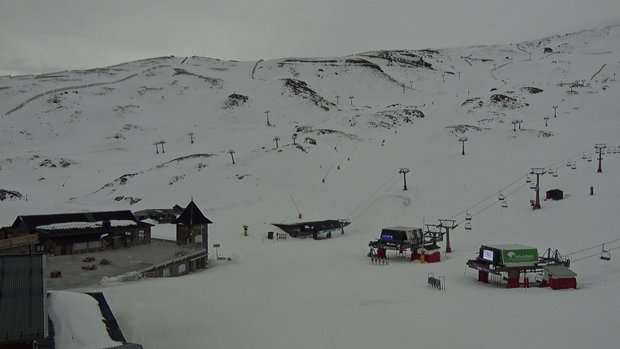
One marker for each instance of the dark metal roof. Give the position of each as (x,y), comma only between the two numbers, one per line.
(191,216)
(33,222)
(22,298)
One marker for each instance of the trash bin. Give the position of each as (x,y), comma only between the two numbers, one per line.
(270,235)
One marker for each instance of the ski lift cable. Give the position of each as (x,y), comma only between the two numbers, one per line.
(419,163)
(415,165)
(491,196)
(593,255)
(595,246)
(495,202)
(496,193)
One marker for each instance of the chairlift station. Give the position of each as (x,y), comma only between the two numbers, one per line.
(423,244)
(507,262)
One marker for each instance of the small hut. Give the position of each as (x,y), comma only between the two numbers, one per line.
(558,277)
(192,227)
(555,194)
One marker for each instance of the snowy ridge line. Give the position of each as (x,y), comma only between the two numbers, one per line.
(64,89)
(595,74)
(196,131)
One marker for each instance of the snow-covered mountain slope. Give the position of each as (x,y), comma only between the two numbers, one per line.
(91,145)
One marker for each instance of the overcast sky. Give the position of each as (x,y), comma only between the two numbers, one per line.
(39,36)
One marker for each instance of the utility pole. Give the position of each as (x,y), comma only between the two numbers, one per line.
(156,147)
(448,224)
(337,99)
(162,146)
(600,147)
(294,138)
(345,156)
(463,140)
(555,111)
(267,112)
(411,84)
(351,98)
(231,152)
(191,137)
(538,172)
(404,171)
(276,139)
(514,125)
(443,77)
(519,121)
(546,118)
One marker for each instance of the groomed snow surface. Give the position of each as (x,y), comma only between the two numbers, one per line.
(303,293)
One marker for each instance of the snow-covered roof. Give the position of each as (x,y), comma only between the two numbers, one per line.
(78,322)
(85,225)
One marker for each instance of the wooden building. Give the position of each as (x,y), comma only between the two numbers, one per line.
(193,227)
(71,233)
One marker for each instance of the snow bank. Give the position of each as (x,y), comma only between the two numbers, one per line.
(78,322)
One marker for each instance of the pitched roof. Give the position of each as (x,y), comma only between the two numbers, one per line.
(34,221)
(191,216)
(559,271)
(22,298)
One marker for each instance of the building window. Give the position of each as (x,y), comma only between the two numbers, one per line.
(129,233)
(80,245)
(95,244)
(181,268)
(141,234)
(40,248)
(168,271)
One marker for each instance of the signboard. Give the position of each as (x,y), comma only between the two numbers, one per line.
(488,255)
(525,256)
(216,245)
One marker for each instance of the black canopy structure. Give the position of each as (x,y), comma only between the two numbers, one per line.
(555,194)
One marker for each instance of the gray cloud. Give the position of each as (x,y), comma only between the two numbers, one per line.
(43,36)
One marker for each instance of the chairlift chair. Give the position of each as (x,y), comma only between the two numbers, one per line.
(608,151)
(568,163)
(468,225)
(589,158)
(583,156)
(555,172)
(528,179)
(467,216)
(574,165)
(501,196)
(504,203)
(615,151)
(532,185)
(605,255)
